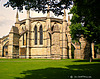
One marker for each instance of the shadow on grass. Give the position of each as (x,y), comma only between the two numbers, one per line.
(94,60)
(72,71)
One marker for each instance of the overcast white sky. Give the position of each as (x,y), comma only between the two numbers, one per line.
(7,18)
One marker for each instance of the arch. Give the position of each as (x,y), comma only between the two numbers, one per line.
(55,27)
(66,37)
(5,49)
(35,35)
(3,52)
(6,52)
(50,41)
(23,27)
(72,51)
(52,28)
(41,35)
(73,44)
(50,37)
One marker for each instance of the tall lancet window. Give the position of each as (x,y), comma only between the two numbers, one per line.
(35,35)
(23,39)
(41,35)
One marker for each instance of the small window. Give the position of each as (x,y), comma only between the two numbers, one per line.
(6,53)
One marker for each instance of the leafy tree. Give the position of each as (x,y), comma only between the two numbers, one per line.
(86,20)
(56,6)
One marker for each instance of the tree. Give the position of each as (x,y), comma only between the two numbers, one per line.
(56,6)
(86,20)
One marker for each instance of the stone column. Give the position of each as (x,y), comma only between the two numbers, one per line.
(55,45)
(48,45)
(64,46)
(64,37)
(69,50)
(48,26)
(13,41)
(1,48)
(69,44)
(92,45)
(77,52)
(28,34)
(10,46)
(69,37)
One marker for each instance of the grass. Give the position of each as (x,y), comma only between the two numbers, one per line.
(48,69)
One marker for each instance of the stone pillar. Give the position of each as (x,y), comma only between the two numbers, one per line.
(61,41)
(48,45)
(64,46)
(48,26)
(83,45)
(45,37)
(64,37)
(69,38)
(92,45)
(77,51)
(1,47)
(28,34)
(10,46)
(13,41)
(69,45)
(48,19)
(56,43)
(84,48)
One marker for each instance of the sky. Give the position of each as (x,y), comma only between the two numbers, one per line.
(8,17)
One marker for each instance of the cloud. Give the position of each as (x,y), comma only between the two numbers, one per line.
(5,26)
(7,18)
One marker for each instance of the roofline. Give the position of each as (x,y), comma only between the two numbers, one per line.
(40,18)
(4,37)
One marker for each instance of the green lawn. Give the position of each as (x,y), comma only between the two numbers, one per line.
(48,69)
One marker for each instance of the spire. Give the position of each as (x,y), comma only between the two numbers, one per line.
(48,12)
(28,14)
(17,17)
(27,20)
(68,20)
(64,18)
(64,12)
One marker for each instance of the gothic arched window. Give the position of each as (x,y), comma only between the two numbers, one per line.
(41,35)
(23,39)
(35,35)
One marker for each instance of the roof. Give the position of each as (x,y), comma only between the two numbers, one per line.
(4,37)
(42,19)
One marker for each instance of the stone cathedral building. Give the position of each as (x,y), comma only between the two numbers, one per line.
(41,37)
